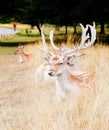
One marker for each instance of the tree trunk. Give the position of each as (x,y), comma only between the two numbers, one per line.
(66,29)
(75,31)
(39,29)
(102,31)
(57,27)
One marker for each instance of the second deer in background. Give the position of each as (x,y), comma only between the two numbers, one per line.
(23,57)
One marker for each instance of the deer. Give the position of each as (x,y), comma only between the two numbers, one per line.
(65,78)
(41,73)
(23,57)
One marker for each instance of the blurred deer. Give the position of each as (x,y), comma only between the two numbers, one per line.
(59,65)
(23,57)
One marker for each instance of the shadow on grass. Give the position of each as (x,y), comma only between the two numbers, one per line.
(28,35)
(16,43)
(58,39)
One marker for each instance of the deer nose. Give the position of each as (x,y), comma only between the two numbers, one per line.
(51,73)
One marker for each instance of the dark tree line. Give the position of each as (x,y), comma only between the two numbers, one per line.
(59,12)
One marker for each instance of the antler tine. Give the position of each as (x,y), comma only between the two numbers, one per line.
(60,50)
(64,48)
(47,52)
(45,48)
(83,45)
(94,24)
(43,38)
(84,36)
(93,33)
(93,37)
(51,40)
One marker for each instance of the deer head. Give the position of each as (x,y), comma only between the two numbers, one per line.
(19,49)
(57,65)
(23,57)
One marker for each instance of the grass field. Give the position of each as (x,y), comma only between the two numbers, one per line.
(7,50)
(27,35)
(25,105)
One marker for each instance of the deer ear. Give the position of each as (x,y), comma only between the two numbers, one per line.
(46,59)
(21,46)
(78,55)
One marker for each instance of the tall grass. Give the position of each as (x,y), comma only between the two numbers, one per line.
(41,111)
(89,111)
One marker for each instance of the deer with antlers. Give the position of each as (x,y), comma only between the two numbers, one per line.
(23,57)
(41,73)
(60,66)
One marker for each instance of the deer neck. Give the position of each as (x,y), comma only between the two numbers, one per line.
(23,55)
(73,67)
(65,80)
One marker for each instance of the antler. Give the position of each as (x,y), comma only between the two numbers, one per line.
(93,33)
(51,41)
(60,50)
(64,51)
(84,38)
(45,48)
(93,37)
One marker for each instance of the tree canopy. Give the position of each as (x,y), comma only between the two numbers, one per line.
(59,12)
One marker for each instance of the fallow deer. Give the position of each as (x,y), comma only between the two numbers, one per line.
(62,66)
(59,67)
(41,73)
(23,57)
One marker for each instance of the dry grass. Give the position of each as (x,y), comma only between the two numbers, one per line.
(25,105)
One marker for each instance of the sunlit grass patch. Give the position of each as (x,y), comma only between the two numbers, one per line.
(7,50)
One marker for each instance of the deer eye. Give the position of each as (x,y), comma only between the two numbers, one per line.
(60,63)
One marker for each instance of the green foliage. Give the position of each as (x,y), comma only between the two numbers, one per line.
(59,12)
